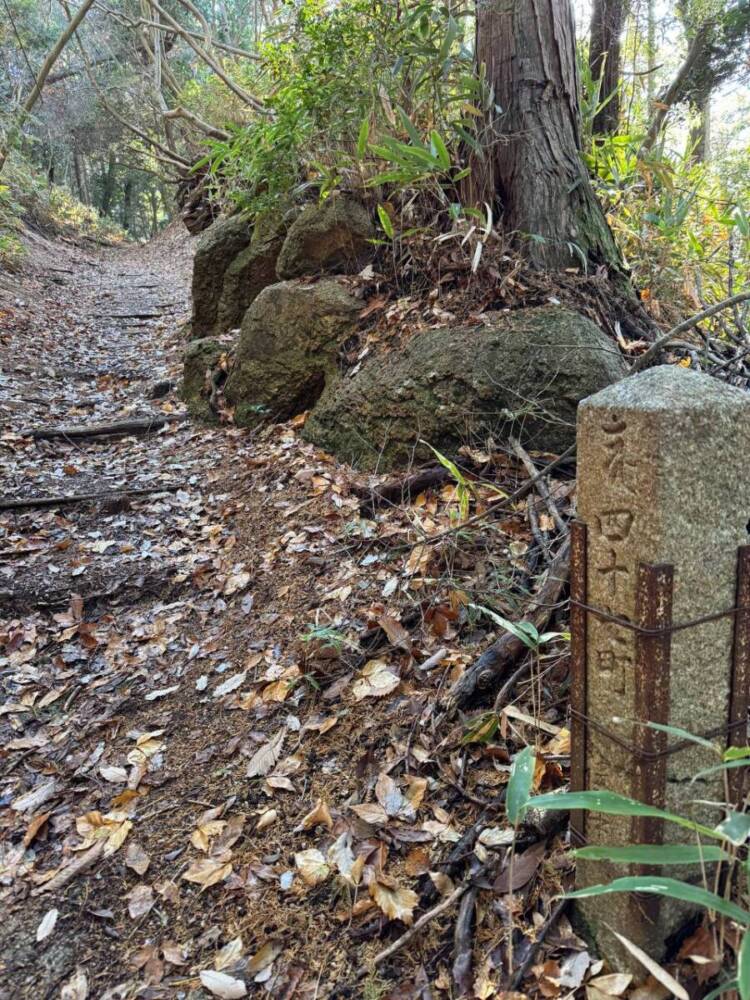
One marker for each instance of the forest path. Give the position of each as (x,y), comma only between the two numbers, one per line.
(211,705)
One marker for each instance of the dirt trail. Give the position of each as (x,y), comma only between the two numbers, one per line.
(203,769)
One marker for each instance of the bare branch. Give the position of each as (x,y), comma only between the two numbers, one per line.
(199,123)
(645,359)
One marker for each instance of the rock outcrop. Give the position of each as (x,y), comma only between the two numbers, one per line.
(288,348)
(200,362)
(523,373)
(217,248)
(253,269)
(331,237)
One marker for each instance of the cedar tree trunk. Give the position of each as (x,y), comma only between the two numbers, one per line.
(534,167)
(607,19)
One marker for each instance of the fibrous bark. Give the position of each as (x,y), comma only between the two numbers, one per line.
(535,169)
(607,20)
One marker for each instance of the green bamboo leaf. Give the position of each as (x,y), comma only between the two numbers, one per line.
(735,828)
(730,765)
(385,222)
(653,854)
(670,887)
(440,150)
(509,626)
(364,135)
(736,753)
(617,805)
(409,127)
(683,734)
(743,967)
(519,785)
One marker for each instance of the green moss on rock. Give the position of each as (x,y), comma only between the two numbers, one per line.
(217,248)
(253,269)
(288,347)
(331,237)
(524,373)
(201,358)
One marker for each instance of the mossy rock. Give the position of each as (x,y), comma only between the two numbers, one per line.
(253,269)
(288,348)
(200,360)
(217,248)
(524,373)
(331,237)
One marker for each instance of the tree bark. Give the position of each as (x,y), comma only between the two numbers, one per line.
(607,21)
(534,167)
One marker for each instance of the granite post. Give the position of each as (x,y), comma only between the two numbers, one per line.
(664,505)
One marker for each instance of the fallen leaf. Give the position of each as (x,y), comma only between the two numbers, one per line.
(269,816)
(395,902)
(223,986)
(47,925)
(522,869)
(136,858)
(661,975)
(375,681)
(230,684)
(613,985)
(77,987)
(266,757)
(264,957)
(319,816)
(229,954)
(312,866)
(206,872)
(372,813)
(118,775)
(140,900)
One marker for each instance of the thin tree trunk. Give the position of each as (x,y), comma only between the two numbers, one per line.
(607,21)
(44,72)
(679,87)
(534,166)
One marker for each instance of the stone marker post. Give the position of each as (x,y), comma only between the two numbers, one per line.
(664,503)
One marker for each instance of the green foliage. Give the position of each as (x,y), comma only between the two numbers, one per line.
(349,88)
(727,838)
(519,785)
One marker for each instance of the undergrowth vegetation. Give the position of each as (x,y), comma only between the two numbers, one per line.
(385,100)
(49,208)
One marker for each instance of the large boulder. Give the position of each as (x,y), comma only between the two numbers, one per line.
(217,248)
(331,237)
(252,270)
(288,348)
(523,373)
(200,361)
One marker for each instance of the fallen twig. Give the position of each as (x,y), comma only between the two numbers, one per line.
(406,937)
(66,500)
(648,356)
(141,425)
(501,655)
(540,483)
(463,979)
(401,490)
(523,968)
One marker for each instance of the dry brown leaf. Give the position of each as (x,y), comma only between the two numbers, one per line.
(206,872)
(319,816)
(372,813)
(219,984)
(395,902)
(136,858)
(268,817)
(397,634)
(312,866)
(229,954)
(140,901)
(375,681)
(265,758)
(263,958)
